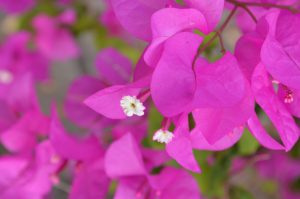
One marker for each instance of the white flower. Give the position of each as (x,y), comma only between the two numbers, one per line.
(163,136)
(5,77)
(132,106)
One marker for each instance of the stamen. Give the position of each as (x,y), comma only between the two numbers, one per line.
(289,97)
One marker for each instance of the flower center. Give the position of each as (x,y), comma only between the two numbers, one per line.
(132,106)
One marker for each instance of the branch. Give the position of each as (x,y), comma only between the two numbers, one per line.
(249,12)
(216,35)
(264,5)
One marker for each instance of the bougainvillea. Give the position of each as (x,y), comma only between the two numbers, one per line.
(149,99)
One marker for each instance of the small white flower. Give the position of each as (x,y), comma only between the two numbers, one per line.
(5,77)
(132,106)
(163,136)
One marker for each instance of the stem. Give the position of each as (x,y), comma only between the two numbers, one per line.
(264,5)
(216,35)
(223,50)
(249,12)
(165,125)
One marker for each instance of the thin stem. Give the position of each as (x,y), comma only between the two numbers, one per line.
(144,95)
(264,5)
(165,124)
(228,19)
(223,50)
(251,14)
(216,35)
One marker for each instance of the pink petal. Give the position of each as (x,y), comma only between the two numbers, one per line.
(154,158)
(24,177)
(180,148)
(173,81)
(135,15)
(71,147)
(21,95)
(217,123)
(107,101)
(244,20)
(219,84)
(22,136)
(212,10)
(166,23)
(281,56)
(114,67)
(166,184)
(142,69)
(274,108)
(54,41)
(11,168)
(248,57)
(78,91)
(279,64)
(68,17)
(90,182)
(16,6)
(7,116)
(123,158)
(261,135)
(130,187)
(136,126)
(199,142)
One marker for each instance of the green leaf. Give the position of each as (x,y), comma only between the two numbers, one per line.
(236,192)
(269,186)
(155,119)
(247,144)
(214,175)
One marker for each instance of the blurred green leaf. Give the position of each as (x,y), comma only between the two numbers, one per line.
(247,144)
(236,192)
(269,186)
(215,168)
(155,119)
(295,152)
(112,188)
(45,6)
(181,2)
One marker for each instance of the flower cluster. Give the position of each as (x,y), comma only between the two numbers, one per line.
(207,99)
